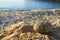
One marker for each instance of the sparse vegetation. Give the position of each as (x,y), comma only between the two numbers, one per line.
(22,28)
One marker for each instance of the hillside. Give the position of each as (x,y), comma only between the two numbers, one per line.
(19,24)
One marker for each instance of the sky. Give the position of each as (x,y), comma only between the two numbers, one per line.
(26,4)
(10,3)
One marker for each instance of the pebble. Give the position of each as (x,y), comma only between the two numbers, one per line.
(27,15)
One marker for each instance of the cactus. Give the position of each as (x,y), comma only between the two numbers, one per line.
(43,27)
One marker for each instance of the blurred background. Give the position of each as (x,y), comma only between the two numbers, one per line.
(29,4)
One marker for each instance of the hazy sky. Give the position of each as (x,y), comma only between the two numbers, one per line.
(10,0)
(27,4)
(10,3)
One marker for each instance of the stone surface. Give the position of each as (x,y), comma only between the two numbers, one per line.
(11,25)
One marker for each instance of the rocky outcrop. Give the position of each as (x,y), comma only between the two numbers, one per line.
(32,25)
(9,17)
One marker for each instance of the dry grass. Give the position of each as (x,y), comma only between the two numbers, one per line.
(24,30)
(20,31)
